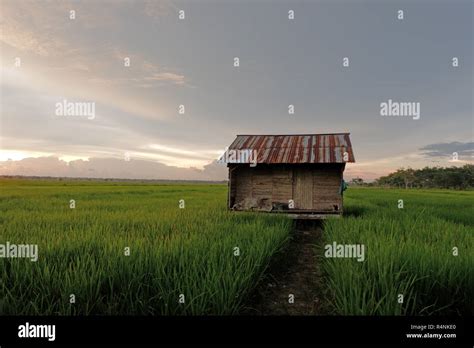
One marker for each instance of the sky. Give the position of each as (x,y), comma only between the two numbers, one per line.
(50,55)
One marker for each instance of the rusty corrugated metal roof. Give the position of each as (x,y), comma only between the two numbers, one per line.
(297,148)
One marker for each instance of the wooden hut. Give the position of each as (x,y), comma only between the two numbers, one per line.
(301,175)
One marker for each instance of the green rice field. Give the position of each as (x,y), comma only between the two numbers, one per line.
(128,248)
(409,252)
(173,251)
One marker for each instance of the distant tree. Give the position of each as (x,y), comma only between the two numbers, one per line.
(436,177)
(408,177)
(357,181)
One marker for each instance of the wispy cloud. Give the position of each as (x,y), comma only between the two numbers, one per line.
(158,10)
(143,79)
(56,62)
(465,151)
(109,168)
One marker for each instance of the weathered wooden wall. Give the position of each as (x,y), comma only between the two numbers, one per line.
(313,187)
(326,189)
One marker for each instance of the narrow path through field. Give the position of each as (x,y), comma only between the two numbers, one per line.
(295,271)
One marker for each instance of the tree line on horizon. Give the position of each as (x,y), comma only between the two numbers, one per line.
(459,178)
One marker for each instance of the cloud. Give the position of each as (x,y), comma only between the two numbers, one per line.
(20,28)
(430,155)
(65,58)
(155,79)
(351,173)
(167,76)
(137,106)
(158,9)
(464,150)
(110,168)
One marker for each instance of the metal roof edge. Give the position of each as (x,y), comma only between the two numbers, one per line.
(288,135)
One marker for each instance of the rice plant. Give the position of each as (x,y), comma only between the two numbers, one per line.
(197,260)
(409,251)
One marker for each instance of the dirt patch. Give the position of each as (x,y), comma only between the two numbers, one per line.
(294,271)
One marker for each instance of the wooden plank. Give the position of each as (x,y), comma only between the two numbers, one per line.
(313,216)
(326,206)
(282,189)
(303,188)
(243,183)
(262,184)
(326,186)
(327,198)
